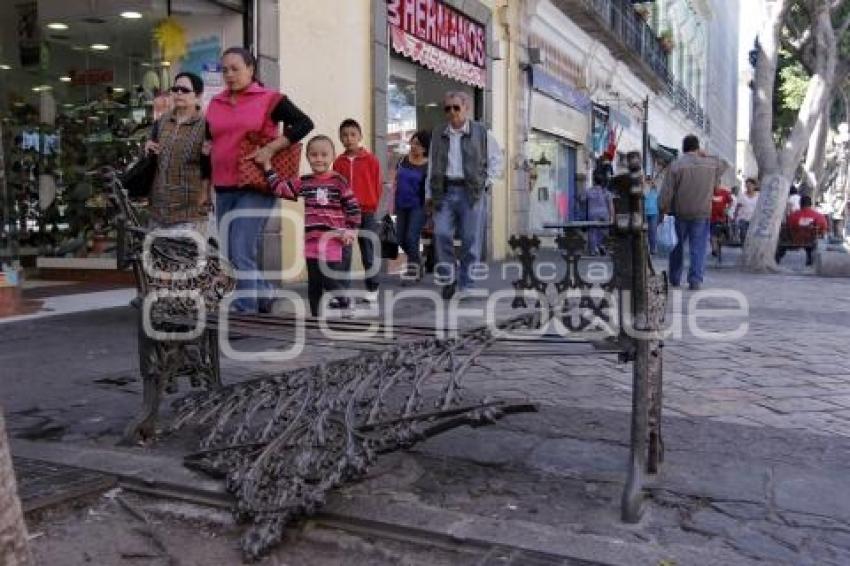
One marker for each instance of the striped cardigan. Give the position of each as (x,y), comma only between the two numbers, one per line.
(329,208)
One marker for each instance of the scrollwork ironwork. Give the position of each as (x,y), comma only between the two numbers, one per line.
(284,442)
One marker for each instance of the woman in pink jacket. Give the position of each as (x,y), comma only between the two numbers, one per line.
(246,106)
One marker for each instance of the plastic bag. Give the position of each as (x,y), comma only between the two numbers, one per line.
(666,238)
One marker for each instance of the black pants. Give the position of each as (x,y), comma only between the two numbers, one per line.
(780,253)
(319,280)
(368,224)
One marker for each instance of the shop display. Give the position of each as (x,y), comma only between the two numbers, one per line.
(54,204)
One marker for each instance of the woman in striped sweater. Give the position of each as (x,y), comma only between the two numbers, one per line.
(331,218)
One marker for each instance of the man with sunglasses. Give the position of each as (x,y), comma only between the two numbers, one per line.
(464,161)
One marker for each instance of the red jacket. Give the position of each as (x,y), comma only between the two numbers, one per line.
(720,201)
(363,173)
(806,217)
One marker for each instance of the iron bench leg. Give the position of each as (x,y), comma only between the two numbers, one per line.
(632,502)
(152,357)
(161,363)
(656,441)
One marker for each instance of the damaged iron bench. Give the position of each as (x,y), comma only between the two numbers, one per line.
(282,442)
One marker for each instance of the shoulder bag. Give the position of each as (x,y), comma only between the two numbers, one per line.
(285,162)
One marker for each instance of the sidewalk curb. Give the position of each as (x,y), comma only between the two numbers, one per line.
(384,514)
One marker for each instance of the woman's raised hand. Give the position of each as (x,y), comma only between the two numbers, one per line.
(152,147)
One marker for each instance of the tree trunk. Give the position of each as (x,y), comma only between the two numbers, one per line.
(763,235)
(13,532)
(816,154)
(776,168)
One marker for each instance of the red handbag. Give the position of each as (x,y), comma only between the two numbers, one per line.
(285,162)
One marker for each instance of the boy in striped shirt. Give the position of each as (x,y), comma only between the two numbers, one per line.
(331,218)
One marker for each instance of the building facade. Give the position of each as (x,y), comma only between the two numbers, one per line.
(599,79)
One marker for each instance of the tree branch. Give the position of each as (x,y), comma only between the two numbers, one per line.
(843,27)
(817,94)
(761,132)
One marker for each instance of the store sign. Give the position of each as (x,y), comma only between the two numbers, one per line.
(560,91)
(440,38)
(92,77)
(558,119)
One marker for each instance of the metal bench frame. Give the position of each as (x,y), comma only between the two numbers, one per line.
(641,295)
(283,442)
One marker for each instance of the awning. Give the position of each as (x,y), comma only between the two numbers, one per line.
(436,59)
(662,152)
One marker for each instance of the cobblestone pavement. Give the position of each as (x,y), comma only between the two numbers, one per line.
(757,426)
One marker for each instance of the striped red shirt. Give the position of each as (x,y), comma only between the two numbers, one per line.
(329,208)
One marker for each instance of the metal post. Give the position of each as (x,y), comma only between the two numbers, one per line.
(633,492)
(645,141)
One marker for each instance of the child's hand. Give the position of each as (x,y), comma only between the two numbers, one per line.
(348,236)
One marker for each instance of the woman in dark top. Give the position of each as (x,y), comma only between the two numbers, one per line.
(246,106)
(410,200)
(180,196)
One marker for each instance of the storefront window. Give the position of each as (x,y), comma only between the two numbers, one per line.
(553,173)
(415,102)
(80,85)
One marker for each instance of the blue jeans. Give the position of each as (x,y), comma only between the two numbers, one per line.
(409,223)
(243,241)
(457,212)
(652,229)
(697,232)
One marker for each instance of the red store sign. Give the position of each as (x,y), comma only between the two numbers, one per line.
(91,77)
(440,38)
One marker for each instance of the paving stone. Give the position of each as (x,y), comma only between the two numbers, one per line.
(740,510)
(812,491)
(571,457)
(843,400)
(699,407)
(480,445)
(792,391)
(762,547)
(798,405)
(731,394)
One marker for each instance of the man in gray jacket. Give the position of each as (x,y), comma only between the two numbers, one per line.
(464,159)
(686,194)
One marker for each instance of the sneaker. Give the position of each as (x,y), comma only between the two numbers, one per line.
(371,296)
(694,286)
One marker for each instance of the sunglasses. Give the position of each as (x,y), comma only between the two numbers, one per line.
(452,108)
(180,90)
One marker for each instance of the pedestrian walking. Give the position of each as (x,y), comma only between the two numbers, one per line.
(411,174)
(600,208)
(464,160)
(246,107)
(180,196)
(793,204)
(650,209)
(721,201)
(331,220)
(746,208)
(686,194)
(363,172)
